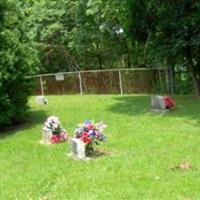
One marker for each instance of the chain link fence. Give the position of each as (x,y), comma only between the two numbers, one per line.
(116,81)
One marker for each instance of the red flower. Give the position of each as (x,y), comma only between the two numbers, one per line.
(85,138)
(55,139)
(169,102)
(85,134)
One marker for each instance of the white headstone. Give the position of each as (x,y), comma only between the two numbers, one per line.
(41,100)
(78,148)
(158,103)
(46,136)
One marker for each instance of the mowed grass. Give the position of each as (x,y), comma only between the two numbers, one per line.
(142,149)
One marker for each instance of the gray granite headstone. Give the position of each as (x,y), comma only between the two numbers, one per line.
(78,148)
(41,100)
(46,136)
(158,103)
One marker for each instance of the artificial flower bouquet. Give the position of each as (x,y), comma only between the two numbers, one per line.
(169,102)
(58,133)
(91,134)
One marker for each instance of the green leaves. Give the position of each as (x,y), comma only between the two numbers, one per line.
(174,29)
(17,61)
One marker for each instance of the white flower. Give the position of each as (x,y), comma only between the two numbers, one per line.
(52,122)
(53,119)
(101,126)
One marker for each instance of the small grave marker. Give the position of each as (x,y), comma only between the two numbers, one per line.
(158,103)
(78,148)
(46,136)
(41,100)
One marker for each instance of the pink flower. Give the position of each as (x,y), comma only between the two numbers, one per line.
(90,127)
(85,138)
(63,136)
(55,139)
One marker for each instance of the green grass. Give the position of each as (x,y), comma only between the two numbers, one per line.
(143,147)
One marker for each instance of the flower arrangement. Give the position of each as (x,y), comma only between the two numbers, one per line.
(58,133)
(169,102)
(91,134)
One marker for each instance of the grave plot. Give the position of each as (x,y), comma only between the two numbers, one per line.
(162,103)
(86,137)
(52,132)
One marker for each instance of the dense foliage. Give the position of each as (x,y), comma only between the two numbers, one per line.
(16,63)
(86,34)
(172,32)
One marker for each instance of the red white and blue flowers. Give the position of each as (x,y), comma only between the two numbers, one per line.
(91,134)
(58,133)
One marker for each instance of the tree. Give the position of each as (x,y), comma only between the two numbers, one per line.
(17,60)
(81,34)
(171,30)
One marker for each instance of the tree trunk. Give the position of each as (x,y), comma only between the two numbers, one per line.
(128,55)
(196,78)
(172,79)
(99,57)
(194,70)
(128,60)
(99,61)
(86,60)
(195,75)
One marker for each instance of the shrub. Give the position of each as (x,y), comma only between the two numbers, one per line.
(16,65)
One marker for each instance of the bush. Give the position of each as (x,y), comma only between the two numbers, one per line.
(16,65)
(183,83)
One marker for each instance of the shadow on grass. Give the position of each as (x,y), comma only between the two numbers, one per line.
(33,118)
(97,154)
(186,107)
(100,153)
(131,105)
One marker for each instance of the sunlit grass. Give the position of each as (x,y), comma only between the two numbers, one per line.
(142,148)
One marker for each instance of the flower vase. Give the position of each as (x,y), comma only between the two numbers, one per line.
(89,149)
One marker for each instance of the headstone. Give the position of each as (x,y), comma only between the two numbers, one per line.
(46,136)
(158,103)
(78,148)
(41,100)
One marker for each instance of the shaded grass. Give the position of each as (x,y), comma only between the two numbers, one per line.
(143,147)
(33,118)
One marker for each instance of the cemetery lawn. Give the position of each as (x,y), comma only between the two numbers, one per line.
(141,159)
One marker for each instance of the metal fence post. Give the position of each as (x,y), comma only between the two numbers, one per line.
(120,82)
(171,80)
(80,83)
(41,86)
